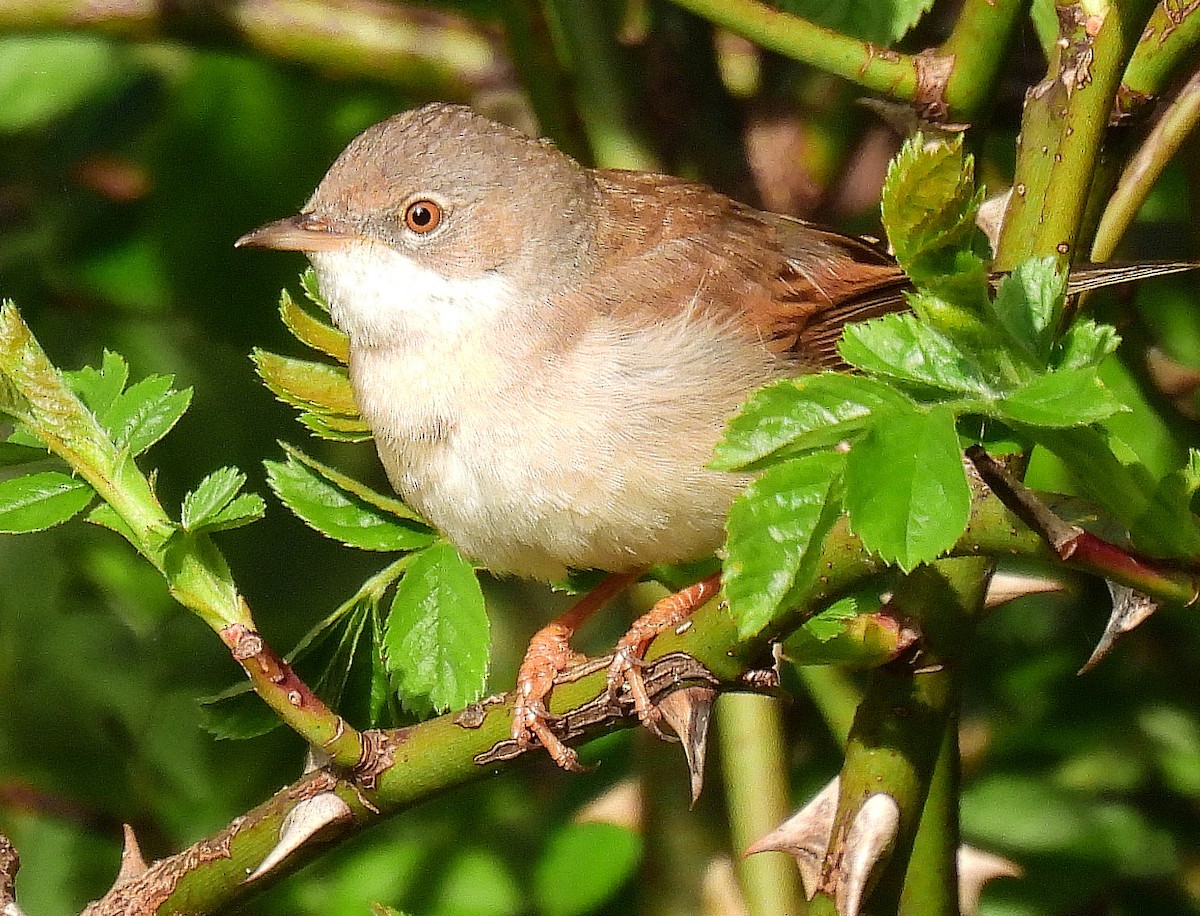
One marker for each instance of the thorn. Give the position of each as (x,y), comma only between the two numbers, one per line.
(315,759)
(868,845)
(1130,608)
(990,217)
(806,836)
(133,865)
(688,712)
(1006,587)
(303,823)
(975,869)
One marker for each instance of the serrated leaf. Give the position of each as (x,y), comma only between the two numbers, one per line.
(213,494)
(38,501)
(776,529)
(99,388)
(312,291)
(144,413)
(336,428)
(900,347)
(1028,304)
(388,504)
(1071,397)
(929,205)
(906,490)
(216,506)
(312,386)
(1085,344)
(312,331)
(796,415)
(437,636)
(340,514)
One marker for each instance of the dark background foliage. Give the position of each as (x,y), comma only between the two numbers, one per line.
(127,168)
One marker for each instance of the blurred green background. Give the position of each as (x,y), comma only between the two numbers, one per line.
(131,158)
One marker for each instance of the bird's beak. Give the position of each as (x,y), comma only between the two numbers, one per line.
(304,232)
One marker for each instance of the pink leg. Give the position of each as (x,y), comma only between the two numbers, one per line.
(666,614)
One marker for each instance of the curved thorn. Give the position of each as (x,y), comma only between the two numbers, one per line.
(688,712)
(868,845)
(806,836)
(302,824)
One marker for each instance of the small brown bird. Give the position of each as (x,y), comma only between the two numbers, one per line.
(547,354)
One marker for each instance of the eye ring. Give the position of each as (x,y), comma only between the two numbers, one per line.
(423,216)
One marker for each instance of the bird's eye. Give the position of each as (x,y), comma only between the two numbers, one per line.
(422,216)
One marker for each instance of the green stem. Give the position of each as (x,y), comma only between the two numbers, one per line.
(978,45)
(931,883)
(1143,169)
(1167,44)
(753,751)
(889,73)
(1063,127)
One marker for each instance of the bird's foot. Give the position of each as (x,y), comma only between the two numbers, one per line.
(549,654)
(625,670)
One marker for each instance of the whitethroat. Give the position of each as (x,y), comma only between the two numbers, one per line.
(547,354)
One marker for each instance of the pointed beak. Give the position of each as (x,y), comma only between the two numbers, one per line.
(304,232)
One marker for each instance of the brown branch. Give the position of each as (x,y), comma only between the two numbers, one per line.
(10,863)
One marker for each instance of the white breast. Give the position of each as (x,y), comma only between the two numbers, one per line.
(531,458)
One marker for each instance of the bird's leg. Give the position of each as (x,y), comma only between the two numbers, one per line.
(626,667)
(550,653)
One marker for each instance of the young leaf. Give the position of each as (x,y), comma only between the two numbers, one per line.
(306,384)
(796,415)
(776,530)
(312,331)
(99,388)
(38,501)
(216,506)
(1071,397)
(312,292)
(901,347)
(145,412)
(339,513)
(388,504)
(437,633)
(1028,304)
(929,206)
(335,427)
(906,490)
(1085,344)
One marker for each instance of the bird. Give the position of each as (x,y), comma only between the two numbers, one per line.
(547,354)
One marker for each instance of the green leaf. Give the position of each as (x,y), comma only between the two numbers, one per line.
(1071,397)
(900,347)
(312,330)
(388,504)
(305,384)
(312,291)
(13,454)
(929,206)
(45,76)
(906,490)
(1028,304)
(99,388)
(145,412)
(336,428)
(437,634)
(776,529)
(35,502)
(795,415)
(216,506)
(866,20)
(1085,344)
(583,866)
(338,512)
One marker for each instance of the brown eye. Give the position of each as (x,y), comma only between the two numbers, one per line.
(422,216)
